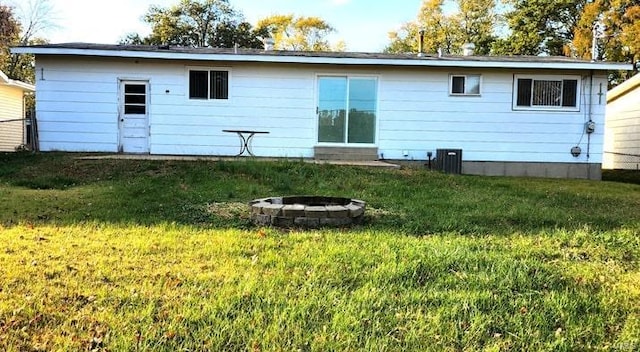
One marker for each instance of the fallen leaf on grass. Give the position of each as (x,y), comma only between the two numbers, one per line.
(559,332)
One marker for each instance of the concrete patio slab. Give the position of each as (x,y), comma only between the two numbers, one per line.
(376,163)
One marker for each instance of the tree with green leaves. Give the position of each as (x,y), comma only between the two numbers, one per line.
(20,29)
(616,25)
(540,27)
(472,23)
(204,23)
(297,33)
(476,20)
(617,30)
(9,34)
(436,28)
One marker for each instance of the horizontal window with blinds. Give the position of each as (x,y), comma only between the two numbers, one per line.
(547,93)
(209,84)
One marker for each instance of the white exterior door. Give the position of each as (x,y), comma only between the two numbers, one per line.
(134,117)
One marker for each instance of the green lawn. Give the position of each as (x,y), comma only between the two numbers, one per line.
(160,255)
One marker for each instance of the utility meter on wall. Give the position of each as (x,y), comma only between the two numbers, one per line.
(590,127)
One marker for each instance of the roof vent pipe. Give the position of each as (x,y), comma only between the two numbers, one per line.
(268,43)
(467,49)
(421,42)
(594,43)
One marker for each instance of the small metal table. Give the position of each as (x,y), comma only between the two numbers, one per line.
(245,139)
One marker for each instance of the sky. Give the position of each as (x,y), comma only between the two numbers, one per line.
(362,24)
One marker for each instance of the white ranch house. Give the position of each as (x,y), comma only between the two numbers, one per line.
(517,116)
(622,136)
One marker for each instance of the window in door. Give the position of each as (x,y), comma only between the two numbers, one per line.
(347,109)
(135,99)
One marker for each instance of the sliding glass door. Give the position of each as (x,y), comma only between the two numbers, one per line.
(347,109)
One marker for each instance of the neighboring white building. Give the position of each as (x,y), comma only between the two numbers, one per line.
(516,116)
(12,113)
(622,136)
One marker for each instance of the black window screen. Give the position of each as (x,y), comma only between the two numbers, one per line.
(524,92)
(569,92)
(198,84)
(457,85)
(135,88)
(135,109)
(219,85)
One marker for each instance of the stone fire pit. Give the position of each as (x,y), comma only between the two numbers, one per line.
(307,211)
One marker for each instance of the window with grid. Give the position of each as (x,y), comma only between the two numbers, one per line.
(547,93)
(209,84)
(135,99)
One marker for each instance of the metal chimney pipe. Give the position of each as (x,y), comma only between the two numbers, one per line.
(468,49)
(421,42)
(594,43)
(268,43)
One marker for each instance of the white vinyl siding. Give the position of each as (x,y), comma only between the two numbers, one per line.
(78,105)
(12,130)
(418,116)
(78,108)
(622,136)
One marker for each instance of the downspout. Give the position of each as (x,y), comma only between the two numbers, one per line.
(33,133)
(590,113)
(590,123)
(27,134)
(24,118)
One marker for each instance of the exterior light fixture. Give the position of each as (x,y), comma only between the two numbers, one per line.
(576,151)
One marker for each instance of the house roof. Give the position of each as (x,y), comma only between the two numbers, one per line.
(623,88)
(6,81)
(306,57)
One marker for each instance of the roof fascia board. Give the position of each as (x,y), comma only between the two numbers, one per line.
(4,80)
(22,85)
(623,88)
(323,60)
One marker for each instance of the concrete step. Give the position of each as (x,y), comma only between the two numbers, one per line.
(346,153)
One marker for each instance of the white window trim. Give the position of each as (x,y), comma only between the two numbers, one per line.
(317,96)
(547,78)
(208,69)
(465,75)
(134,80)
